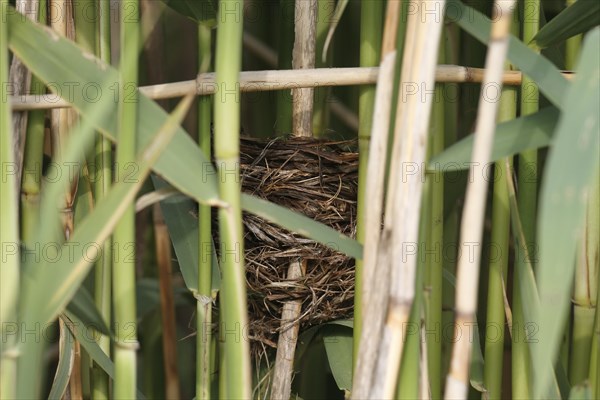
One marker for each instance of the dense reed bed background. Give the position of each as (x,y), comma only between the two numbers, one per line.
(299,199)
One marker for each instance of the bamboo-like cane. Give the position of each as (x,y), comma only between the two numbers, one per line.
(204,296)
(103,267)
(262,81)
(126,345)
(233,296)
(302,110)
(403,203)
(457,382)
(375,287)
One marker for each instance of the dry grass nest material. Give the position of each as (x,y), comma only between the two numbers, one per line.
(320,180)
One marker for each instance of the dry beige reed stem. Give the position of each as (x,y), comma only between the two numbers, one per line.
(403,204)
(457,382)
(375,282)
(303,58)
(269,80)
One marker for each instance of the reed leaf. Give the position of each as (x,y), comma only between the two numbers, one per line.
(44,53)
(578,18)
(81,333)
(204,11)
(551,83)
(530,132)
(181,162)
(571,166)
(65,364)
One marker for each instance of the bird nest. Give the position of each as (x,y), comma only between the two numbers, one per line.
(320,180)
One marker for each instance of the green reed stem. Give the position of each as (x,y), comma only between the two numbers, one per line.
(204,300)
(370,53)
(227,153)
(527,202)
(33,159)
(585,291)
(124,235)
(9,231)
(321,94)
(435,240)
(498,263)
(102,183)
(410,370)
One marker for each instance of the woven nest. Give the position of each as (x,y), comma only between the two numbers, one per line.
(318,179)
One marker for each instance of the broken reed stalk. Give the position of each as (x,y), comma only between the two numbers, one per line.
(303,57)
(457,382)
(262,81)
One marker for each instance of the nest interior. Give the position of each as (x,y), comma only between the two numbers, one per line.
(320,180)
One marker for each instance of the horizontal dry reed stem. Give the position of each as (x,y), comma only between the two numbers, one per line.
(269,80)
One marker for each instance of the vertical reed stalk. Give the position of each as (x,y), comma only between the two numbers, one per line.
(320,119)
(204,296)
(498,263)
(9,232)
(527,202)
(33,159)
(375,285)
(585,291)
(457,383)
(126,344)
(594,375)
(370,55)
(103,181)
(401,222)
(283,121)
(20,78)
(572,46)
(85,15)
(227,130)
(302,117)
(410,378)
(434,243)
